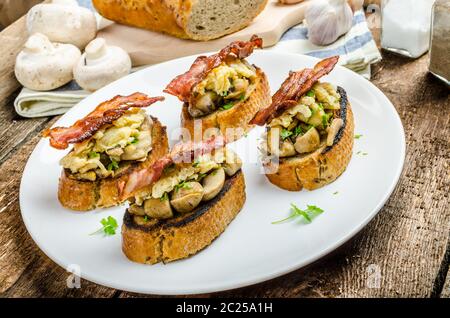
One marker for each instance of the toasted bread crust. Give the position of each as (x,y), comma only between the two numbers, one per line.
(236,117)
(169,240)
(82,195)
(322,166)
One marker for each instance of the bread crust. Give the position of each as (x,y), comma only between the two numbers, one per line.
(238,116)
(168,240)
(168,16)
(81,195)
(321,167)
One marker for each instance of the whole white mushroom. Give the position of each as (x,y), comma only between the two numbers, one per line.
(43,66)
(100,65)
(63,21)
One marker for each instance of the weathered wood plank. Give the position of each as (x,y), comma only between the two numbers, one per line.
(24,269)
(14,128)
(446,289)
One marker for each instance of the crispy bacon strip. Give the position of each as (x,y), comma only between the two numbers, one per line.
(182,85)
(296,85)
(181,152)
(105,113)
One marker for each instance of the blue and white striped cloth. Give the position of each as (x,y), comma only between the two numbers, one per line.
(357,48)
(357,51)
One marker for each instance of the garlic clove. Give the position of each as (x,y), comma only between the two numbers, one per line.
(43,66)
(328,20)
(100,65)
(63,21)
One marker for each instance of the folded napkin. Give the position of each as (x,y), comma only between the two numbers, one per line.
(357,48)
(357,51)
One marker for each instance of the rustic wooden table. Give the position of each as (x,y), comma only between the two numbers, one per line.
(407,243)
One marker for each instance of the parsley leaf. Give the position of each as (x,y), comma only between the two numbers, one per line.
(134,141)
(297,131)
(145,218)
(196,163)
(357,136)
(309,214)
(114,165)
(109,226)
(93,155)
(227,106)
(182,185)
(164,197)
(311,93)
(285,133)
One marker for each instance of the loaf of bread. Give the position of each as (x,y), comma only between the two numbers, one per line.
(189,19)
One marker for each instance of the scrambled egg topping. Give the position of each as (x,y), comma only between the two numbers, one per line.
(202,165)
(229,82)
(311,108)
(127,138)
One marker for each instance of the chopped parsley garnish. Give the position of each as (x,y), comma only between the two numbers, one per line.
(182,185)
(357,136)
(227,106)
(311,94)
(336,192)
(113,165)
(242,97)
(145,218)
(93,155)
(164,197)
(285,133)
(320,105)
(297,131)
(309,214)
(134,141)
(109,226)
(196,163)
(325,118)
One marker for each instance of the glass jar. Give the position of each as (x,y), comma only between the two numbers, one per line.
(440,41)
(405,26)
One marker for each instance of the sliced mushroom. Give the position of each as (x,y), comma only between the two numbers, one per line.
(136,209)
(304,113)
(307,142)
(213,183)
(232,163)
(336,124)
(158,208)
(203,105)
(187,198)
(317,115)
(287,148)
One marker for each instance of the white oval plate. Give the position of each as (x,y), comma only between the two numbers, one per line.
(251,249)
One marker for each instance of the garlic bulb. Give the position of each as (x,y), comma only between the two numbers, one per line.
(327,20)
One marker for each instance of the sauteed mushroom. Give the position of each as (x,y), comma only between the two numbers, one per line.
(213,183)
(232,163)
(336,124)
(158,208)
(187,198)
(307,142)
(287,148)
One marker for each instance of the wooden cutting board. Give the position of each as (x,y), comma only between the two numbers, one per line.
(148,47)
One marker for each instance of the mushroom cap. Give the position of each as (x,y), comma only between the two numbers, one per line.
(43,66)
(63,21)
(100,65)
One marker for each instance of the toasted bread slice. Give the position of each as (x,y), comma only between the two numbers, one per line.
(236,117)
(323,166)
(154,241)
(81,195)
